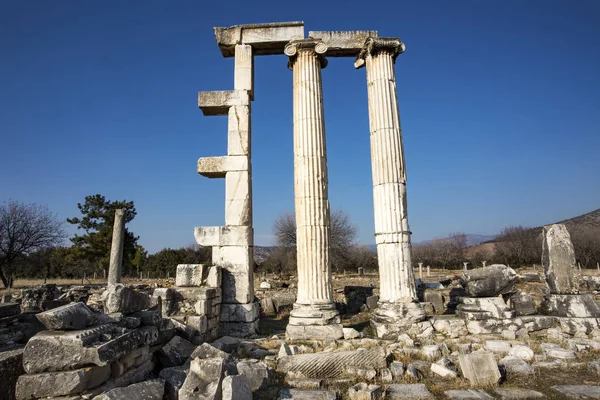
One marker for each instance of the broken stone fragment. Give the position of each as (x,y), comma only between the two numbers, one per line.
(258,373)
(204,380)
(149,390)
(63,350)
(363,391)
(126,300)
(174,378)
(571,305)
(11,367)
(236,387)
(489,281)
(72,316)
(60,383)
(176,352)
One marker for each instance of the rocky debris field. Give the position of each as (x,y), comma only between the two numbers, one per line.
(145,342)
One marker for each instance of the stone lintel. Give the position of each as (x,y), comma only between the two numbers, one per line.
(265,39)
(217,167)
(224,235)
(218,102)
(343,43)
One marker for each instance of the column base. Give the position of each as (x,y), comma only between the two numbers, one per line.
(391,319)
(319,321)
(240,320)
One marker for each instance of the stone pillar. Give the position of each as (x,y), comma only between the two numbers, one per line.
(314,315)
(232,244)
(116,250)
(398,304)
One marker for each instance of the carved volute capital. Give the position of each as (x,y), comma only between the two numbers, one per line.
(374,46)
(315,46)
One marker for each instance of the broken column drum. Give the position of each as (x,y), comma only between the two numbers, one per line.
(116,250)
(314,314)
(398,304)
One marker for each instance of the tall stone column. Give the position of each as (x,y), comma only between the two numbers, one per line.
(314,315)
(398,305)
(116,250)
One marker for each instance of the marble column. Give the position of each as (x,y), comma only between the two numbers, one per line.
(116,250)
(398,304)
(314,315)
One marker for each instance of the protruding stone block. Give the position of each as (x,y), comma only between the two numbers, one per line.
(218,102)
(265,39)
(558,259)
(70,317)
(218,167)
(60,383)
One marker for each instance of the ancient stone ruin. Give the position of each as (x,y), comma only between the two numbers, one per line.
(451,336)
(314,315)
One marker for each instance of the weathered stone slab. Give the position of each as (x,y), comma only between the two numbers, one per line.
(579,391)
(306,394)
(126,300)
(204,380)
(479,368)
(149,390)
(72,316)
(11,367)
(61,350)
(266,39)
(469,394)
(236,387)
(413,391)
(9,309)
(558,259)
(332,364)
(482,308)
(518,393)
(515,365)
(60,383)
(134,375)
(342,43)
(571,305)
(489,281)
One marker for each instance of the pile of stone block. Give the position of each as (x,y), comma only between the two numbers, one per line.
(86,353)
(194,305)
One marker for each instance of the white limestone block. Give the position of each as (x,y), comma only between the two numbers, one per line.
(218,167)
(268,38)
(239,128)
(224,235)
(238,198)
(243,78)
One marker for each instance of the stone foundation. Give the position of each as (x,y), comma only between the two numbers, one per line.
(391,319)
(314,322)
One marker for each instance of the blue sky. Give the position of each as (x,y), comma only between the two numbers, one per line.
(499,103)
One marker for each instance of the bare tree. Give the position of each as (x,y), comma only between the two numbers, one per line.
(343,236)
(25,228)
(518,245)
(586,242)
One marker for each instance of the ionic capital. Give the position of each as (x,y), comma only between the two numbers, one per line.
(314,46)
(375,45)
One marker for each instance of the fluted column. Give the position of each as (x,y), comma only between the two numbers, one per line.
(392,233)
(314,314)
